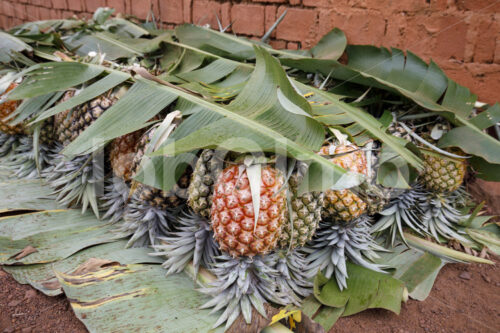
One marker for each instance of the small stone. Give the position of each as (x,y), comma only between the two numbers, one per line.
(30,294)
(15,303)
(9,329)
(465,276)
(26,330)
(486,278)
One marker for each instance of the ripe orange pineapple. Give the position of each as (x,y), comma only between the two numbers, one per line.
(232,212)
(6,109)
(122,153)
(345,205)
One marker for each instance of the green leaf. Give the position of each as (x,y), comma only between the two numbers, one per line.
(8,44)
(442,251)
(125,116)
(29,194)
(331,46)
(490,239)
(54,76)
(54,234)
(113,79)
(467,139)
(485,170)
(487,118)
(327,105)
(101,42)
(255,121)
(43,278)
(366,289)
(159,303)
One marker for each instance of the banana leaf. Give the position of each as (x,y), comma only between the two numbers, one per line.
(103,300)
(49,236)
(366,289)
(416,268)
(43,278)
(10,44)
(26,195)
(488,236)
(328,108)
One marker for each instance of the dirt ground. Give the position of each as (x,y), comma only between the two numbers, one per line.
(465,298)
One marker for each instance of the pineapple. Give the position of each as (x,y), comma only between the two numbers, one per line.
(442,173)
(232,212)
(303,215)
(243,283)
(70,124)
(206,171)
(292,278)
(117,189)
(193,240)
(442,215)
(151,212)
(345,205)
(122,154)
(337,242)
(404,209)
(6,110)
(80,180)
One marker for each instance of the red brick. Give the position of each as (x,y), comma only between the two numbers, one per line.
(484,50)
(278,44)
(118,5)
(188,6)
(17,10)
(43,13)
(142,8)
(319,3)
(67,14)
(3,22)
(438,4)
(55,14)
(270,1)
(204,12)
(270,18)
(479,78)
(248,19)
(23,1)
(92,5)
(294,2)
(225,15)
(497,52)
(298,24)
(487,6)
(172,11)
(75,5)
(59,4)
(449,32)
(329,19)
(292,46)
(16,21)
(8,9)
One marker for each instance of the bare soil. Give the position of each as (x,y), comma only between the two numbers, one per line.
(465,298)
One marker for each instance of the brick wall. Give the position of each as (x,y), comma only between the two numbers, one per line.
(462,36)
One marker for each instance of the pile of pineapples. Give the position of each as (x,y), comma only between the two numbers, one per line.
(240,214)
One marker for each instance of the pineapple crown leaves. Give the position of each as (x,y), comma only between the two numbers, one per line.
(192,240)
(335,243)
(7,143)
(404,209)
(442,217)
(115,198)
(22,161)
(293,279)
(145,222)
(75,181)
(243,283)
